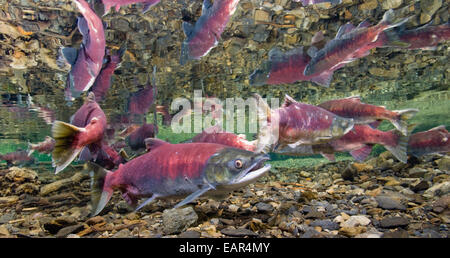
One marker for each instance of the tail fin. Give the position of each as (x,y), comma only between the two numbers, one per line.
(267,136)
(399,150)
(400,123)
(64,152)
(99,195)
(124,155)
(30,149)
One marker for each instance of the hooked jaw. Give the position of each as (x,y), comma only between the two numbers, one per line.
(253,172)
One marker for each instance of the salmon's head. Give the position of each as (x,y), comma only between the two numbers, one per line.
(236,167)
(341,126)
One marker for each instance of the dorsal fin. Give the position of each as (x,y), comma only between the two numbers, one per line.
(277,55)
(288,100)
(153,143)
(364,24)
(355,98)
(439,128)
(346,28)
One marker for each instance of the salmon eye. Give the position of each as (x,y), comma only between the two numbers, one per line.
(238,163)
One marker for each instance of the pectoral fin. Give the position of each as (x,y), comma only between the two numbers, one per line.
(194,195)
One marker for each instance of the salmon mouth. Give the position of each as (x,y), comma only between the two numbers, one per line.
(252,173)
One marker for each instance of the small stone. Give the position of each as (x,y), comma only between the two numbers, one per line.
(352,231)
(314,215)
(122,233)
(437,190)
(4,231)
(233,208)
(416,172)
(388,203)
(362,167)
(239,232)
(325,224)
(389,73)
(441,204)
(428,7)
(178,220)
(311,233)
(261,15)
(357,220)
(305,174)
(189,234)
(422,185)
(398,233)
(349,173)
(264,207)
(95,220)
(68,230)
(390,4)
(444,163)
(368,5)
(393,222)
(120,24)
(6,217)
(372,233)
(17,174)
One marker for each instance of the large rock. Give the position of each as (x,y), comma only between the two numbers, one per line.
(178,220)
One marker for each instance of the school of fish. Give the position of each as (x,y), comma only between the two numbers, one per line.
(216,162)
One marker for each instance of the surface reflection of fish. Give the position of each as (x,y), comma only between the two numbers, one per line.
(426,37)
(362,113)
(87,61)
(104,79)
(205,34)
(350,43)
(45,113)
(358,142)
(176,171)
(85,130)
(302,124)
(287,67)
(19,157)
(136,139)
(310,2)
(435,140)
(119,3)
(109,158)
(216,134)
(45,146)
(167,117)
(140,102)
